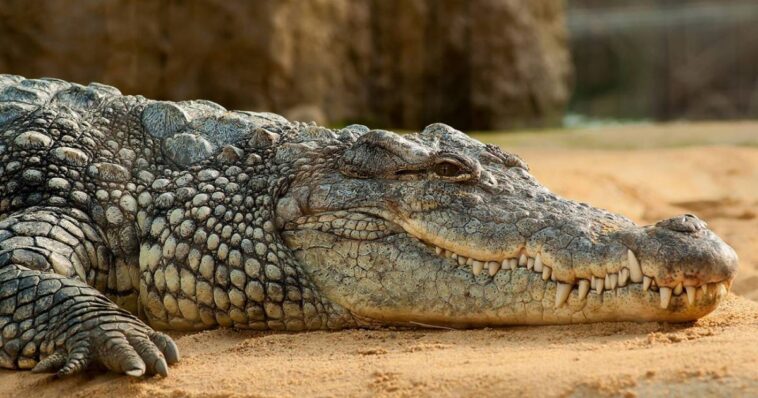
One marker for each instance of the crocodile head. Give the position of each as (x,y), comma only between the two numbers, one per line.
(438,228)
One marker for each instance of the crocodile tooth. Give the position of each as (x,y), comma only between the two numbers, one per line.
(584,288)
(461,260)
(678,289)
(623,276)
(513,263)
(455,256)
(705,288)
(722,289)
(614,281)
(599,284)
(562,292)
(476,267)
(469,261)
(546,272)
(522,260)
(607,282)
(530,263)
(438,250)
(665,296)
(635,271)
(538,263)
(690,294)
(646,282)
(493,267)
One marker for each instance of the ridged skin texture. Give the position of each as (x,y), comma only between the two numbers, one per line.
(118,212)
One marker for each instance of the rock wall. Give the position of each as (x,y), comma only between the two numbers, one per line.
(476,64)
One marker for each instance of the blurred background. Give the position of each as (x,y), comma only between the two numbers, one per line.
(475,64)
(641,107)
(664,60)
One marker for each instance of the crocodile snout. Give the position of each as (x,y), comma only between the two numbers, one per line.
(683,251)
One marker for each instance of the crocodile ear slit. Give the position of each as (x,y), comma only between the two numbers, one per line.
(382,153)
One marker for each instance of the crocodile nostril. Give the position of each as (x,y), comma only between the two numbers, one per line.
(687,223)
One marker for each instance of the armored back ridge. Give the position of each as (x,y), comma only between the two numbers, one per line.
(118,212)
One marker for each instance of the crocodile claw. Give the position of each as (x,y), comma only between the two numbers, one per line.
(122,347)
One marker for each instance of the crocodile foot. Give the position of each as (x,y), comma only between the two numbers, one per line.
(116,340)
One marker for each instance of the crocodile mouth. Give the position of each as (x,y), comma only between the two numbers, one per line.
(367,224)
(628,279)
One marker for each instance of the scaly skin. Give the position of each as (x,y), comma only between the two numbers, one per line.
(191,217)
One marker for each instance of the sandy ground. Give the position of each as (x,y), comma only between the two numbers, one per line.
(715,356)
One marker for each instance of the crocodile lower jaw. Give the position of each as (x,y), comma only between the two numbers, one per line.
(370,224)
(628,276)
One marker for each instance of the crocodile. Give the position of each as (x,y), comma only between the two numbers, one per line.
(122,217)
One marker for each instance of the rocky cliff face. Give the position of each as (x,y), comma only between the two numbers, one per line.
(476,64)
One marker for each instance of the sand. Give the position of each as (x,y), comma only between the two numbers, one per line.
(717,355)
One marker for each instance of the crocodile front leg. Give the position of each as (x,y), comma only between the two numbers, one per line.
(53,322)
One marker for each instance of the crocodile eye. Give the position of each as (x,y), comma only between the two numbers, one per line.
(447,169)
